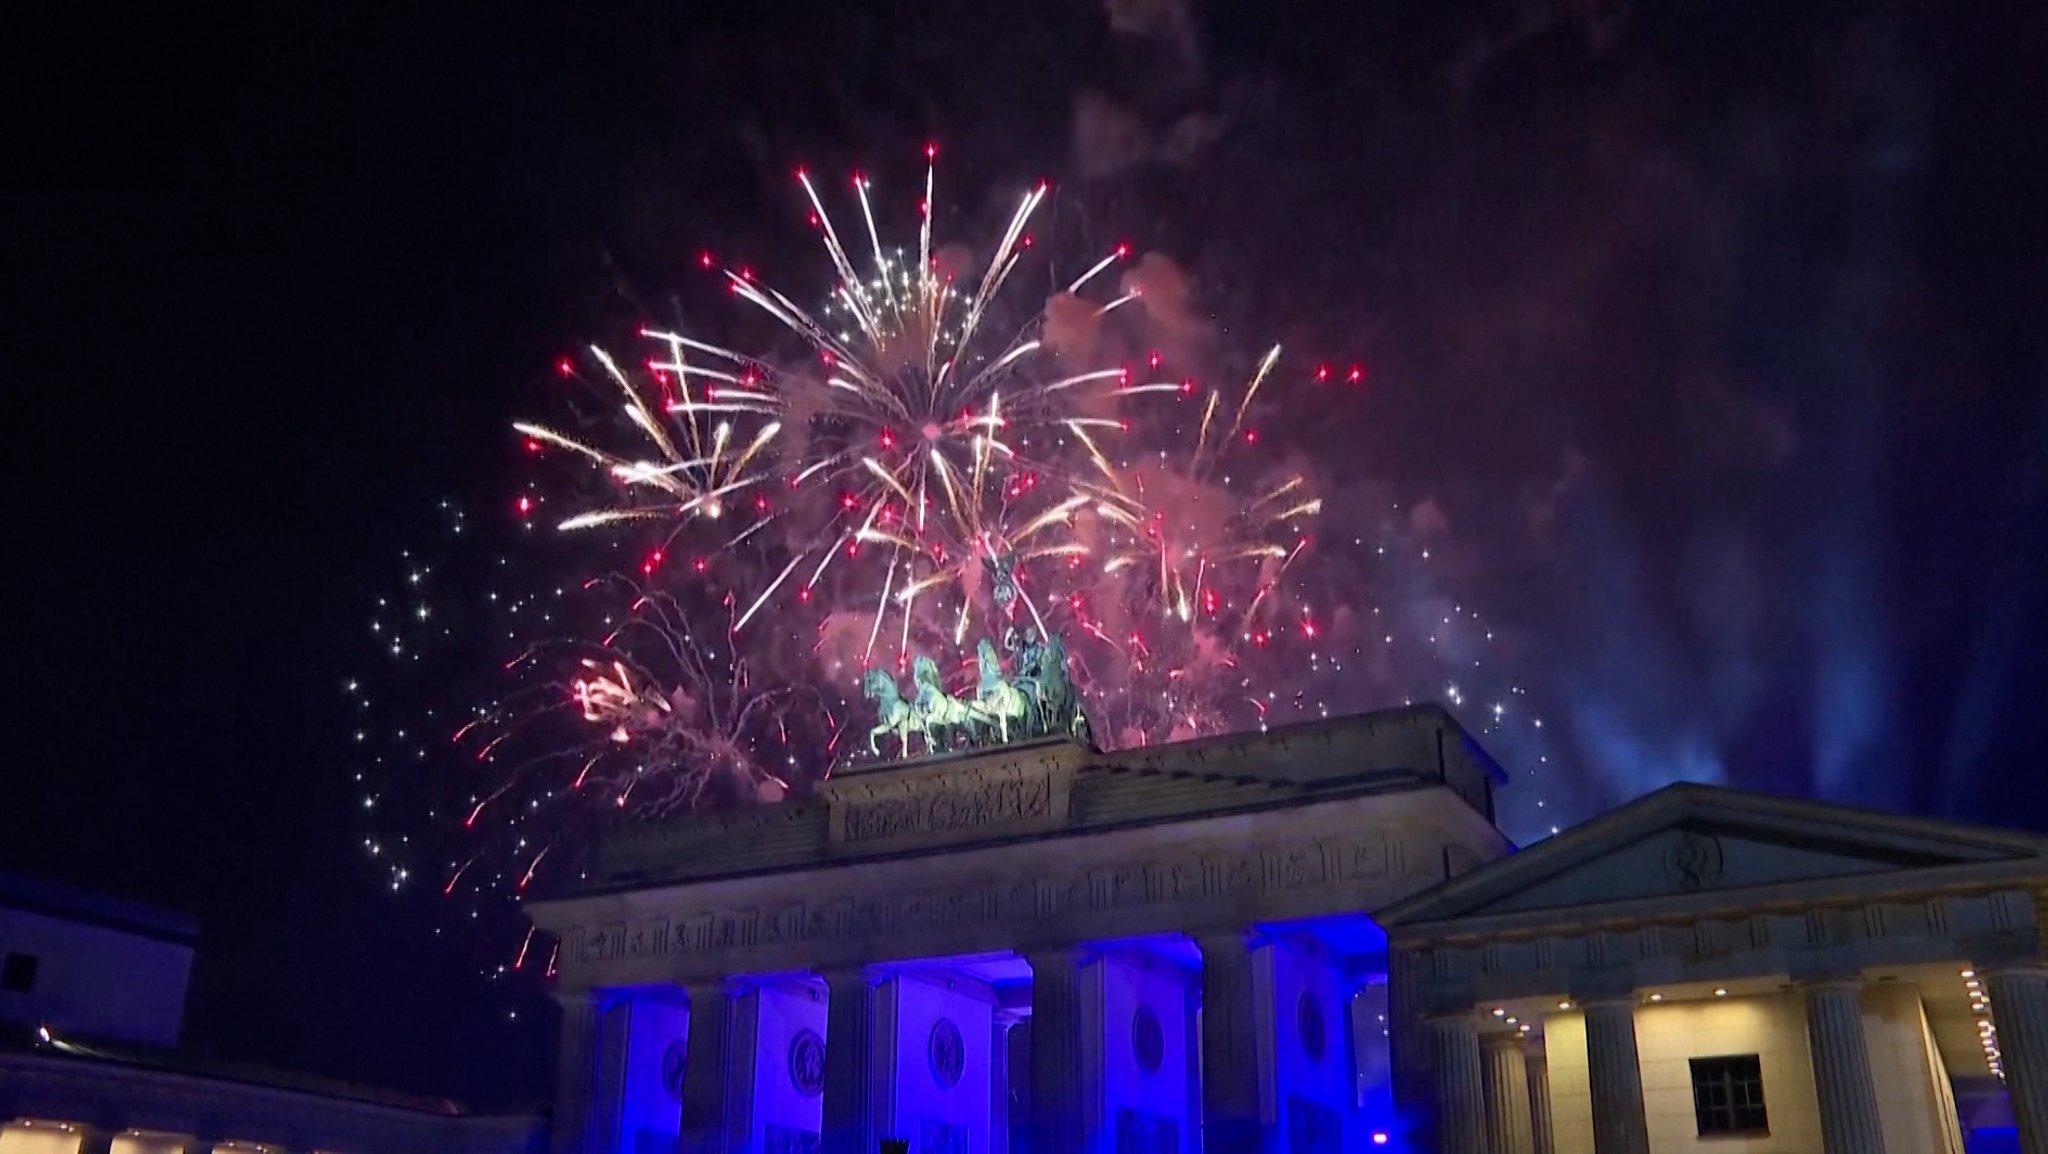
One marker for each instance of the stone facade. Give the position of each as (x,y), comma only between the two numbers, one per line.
(1191,899)
(99,1105)
(1846,957)
(92,1071)
(1311,941)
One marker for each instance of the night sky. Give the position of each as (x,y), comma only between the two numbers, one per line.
(1709,347)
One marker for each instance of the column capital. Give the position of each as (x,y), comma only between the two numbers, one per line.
(1626,1001)
(1512,1040)
(1245,937)
(2015,968)
(845,977)
(1058,953)
(576,999)
(1835,984)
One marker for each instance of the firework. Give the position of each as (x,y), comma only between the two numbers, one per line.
(921,461)
(611,704)
(927,438)
(1197,542)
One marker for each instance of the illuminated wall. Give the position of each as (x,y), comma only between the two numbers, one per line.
(651,1105)
(1914,1106)
(938,1094)
(1306,1072)
(20,1139)
(1145,1053)
(1668,1037)
(784,1057)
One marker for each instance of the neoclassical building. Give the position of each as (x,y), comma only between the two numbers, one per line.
(92,1007)
(1308,941)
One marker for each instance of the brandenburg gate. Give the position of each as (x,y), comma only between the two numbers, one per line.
(1032,949)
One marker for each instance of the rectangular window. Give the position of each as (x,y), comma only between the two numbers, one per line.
(1728,1095)
(18,973)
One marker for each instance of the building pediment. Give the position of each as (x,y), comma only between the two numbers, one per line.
(1689,841)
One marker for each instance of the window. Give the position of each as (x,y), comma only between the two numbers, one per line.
(18,973)
(1728,1095)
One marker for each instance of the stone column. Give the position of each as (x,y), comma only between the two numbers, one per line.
(575,1075)
(1454,1061)
(999,1081)
(707,1060)
(849,1063)
(1408,1036)
(2019,1011)
(1614,1073)
(1056,1082)
(1849,1122)
(608,1103)
(1537,1060)
(1504,1078)
(93,1140)
(1230,1046)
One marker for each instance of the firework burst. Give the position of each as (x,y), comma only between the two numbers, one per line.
(612,704)
(1198,547)
(929,436)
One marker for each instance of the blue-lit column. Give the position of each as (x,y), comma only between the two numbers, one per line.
(575,1074)
(849,1062)
(1231,1118)
(1193,1027)
(1056,1056)
(707,1066)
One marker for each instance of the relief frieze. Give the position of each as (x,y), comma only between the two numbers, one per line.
(948,811)
(1224,875)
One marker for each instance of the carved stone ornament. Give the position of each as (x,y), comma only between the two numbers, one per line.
(731,937)
(1315,1036)
(947,1053)
(1148,1041)
(1695,862)
(807,1063)
(673,1059)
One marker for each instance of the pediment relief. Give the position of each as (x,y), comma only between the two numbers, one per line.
(1691,839)
(1683,860)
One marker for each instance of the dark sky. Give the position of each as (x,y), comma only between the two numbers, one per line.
(1709,335)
